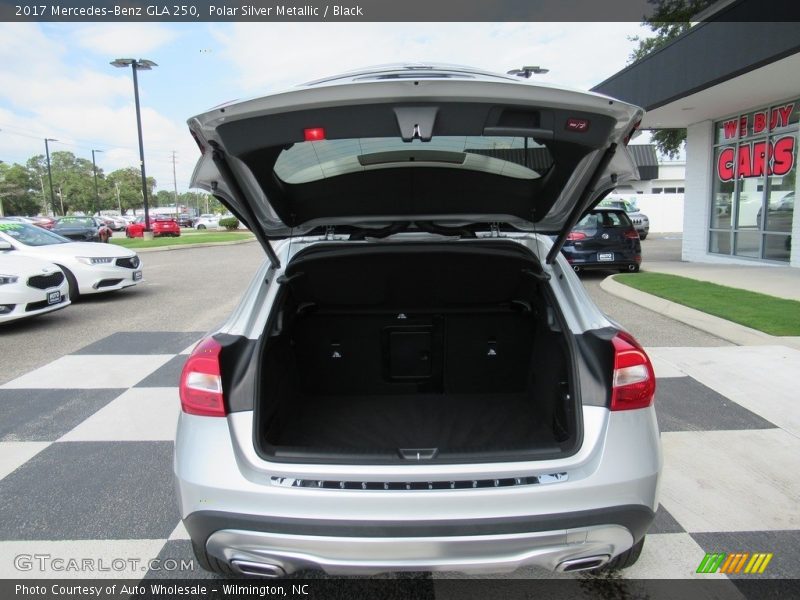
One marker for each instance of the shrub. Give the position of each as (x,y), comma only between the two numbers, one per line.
(229,223)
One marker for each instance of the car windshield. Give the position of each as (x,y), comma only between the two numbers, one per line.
(31,235)
(510,156)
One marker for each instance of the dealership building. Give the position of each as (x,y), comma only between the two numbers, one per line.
(733,81)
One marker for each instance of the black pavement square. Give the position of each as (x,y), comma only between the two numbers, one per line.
(46,415)
(783,544)
(143,342)
(684,404)
(91,490)
(167,375)
(665,522)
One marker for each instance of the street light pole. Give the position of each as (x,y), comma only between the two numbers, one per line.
(50,173)
(96,193)
(136,65)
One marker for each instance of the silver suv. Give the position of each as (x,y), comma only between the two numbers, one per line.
(416,379)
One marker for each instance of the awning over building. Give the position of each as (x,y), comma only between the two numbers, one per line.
(741,57)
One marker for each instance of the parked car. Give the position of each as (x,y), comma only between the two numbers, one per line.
(416,377)
(41,221)
(114,222)
(604,239)
(206,222)
(640,220)
(185,220)
(84,229)
(89,268)
(29,286)
(161,226)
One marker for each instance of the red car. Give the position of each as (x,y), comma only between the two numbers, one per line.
(159,225)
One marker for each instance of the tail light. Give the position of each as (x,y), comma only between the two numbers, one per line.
(634,383)
(576,235)
(201,383)
(631,234)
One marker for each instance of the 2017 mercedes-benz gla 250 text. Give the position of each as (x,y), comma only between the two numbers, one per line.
(416,379)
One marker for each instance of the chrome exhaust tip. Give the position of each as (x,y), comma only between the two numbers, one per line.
(583,564)
(632,267)
(246,567)
(576,268)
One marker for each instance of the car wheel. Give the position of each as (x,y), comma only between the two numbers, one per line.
(624,560)
(74,293)
(128,234)
(642,236)
(209,563)
(201,226)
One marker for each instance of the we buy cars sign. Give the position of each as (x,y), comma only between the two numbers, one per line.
(757,158)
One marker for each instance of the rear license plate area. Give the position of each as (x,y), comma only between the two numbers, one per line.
(605,257)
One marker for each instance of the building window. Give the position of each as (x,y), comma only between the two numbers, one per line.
(657,190)
(755,182)
(680,190)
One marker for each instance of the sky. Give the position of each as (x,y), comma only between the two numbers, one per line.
(56,80)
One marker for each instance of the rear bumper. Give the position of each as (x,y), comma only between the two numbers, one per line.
(352,551)
(604,507)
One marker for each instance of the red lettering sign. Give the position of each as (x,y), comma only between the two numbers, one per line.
(757,159)
(730,129)
(759,122)
(778,117)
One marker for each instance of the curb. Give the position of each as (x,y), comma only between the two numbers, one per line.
(189,246)
(722,328)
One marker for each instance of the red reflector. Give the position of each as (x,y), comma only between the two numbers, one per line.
(314,134)
(634,381)
(580,125)
(576,235)
(201,384)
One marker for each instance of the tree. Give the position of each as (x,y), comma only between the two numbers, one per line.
(669,20)
(126,184)
(73,182)
(17,192)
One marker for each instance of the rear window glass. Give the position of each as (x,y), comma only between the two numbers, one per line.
(508,156)
(603,218)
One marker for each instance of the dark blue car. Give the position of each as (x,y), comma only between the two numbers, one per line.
(604,239)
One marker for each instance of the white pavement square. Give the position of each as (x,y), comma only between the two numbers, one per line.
(732,480)
(89,371)
(15,454)
(139,414)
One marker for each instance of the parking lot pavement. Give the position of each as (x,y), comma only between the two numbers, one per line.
(86,470)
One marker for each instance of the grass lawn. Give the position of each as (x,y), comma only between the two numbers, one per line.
(200,237)
(775,316)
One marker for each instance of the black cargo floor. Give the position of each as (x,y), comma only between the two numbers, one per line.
(453,422)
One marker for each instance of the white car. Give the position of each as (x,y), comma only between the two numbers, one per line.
(207,222)
(89,268)
(29,286)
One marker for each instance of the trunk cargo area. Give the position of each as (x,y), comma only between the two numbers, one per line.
(401,352)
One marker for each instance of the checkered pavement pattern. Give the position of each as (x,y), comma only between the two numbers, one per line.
(86,459)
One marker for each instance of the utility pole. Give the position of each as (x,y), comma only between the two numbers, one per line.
(119,204)
(175,183)
(50,173)
(96,193)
